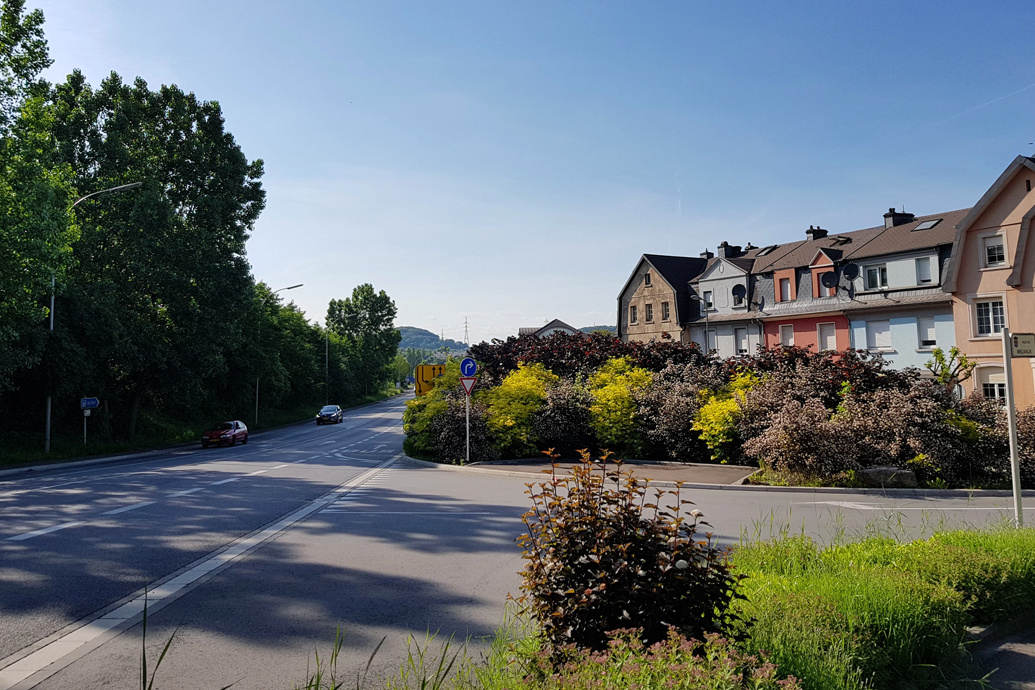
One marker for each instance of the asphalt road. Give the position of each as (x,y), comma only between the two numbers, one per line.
(255,555)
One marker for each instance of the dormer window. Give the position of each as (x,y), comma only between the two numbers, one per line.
(994,251)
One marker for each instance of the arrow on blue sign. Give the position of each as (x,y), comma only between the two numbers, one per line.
(468,367)
(88,403)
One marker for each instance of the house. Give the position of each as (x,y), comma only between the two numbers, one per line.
(724,314)
(991,278)
(555,326)
(654,303)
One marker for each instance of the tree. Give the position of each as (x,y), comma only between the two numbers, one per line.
(952,370)
(368,319)
(35,194)
(161,283)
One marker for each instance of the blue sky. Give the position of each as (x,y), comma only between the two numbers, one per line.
(510,162)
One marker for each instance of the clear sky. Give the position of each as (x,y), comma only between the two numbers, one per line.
(509,162)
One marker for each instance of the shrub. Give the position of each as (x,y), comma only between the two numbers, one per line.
(450,432)
(613,412)
(716,421)
(563,423)
(599,558)
(677,663)
(511,406)
(801,440)
(666,411)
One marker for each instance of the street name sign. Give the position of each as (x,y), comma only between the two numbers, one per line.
(88,403)
(1022,344)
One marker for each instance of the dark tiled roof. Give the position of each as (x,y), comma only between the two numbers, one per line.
(677,270)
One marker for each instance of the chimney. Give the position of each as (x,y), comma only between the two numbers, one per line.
(816,233)
(893,218)
(727,250)
(748,247)
(706,254)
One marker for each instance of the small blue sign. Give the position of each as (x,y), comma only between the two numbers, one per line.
(88,403)
(468,367)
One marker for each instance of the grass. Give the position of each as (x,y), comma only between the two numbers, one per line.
(156,432)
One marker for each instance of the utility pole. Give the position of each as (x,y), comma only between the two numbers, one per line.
(467,338)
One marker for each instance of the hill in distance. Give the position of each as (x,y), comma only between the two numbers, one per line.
(426,340)
(590,329)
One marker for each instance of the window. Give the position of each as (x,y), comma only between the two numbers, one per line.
(648,313)
(991,317)
(740,339)
(665,314)
(994,251)
(925,331)
(646,278)
(876,277)
(787,334)
(707,299)
(785,289)
(992,381)
(827,333)
(737,301)
(632,313)
(878,335)
(923,270)
(824,291)
(709,337)
(927,224)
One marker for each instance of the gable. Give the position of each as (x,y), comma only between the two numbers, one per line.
(721,270)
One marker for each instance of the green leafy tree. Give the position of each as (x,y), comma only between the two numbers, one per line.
(368,319)
(613,412)
(950,370)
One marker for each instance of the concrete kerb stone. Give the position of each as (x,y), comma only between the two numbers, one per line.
(889,492)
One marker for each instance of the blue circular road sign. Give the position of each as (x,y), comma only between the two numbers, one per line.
(468,367)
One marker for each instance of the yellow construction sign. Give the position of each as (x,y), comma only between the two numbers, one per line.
(425,377)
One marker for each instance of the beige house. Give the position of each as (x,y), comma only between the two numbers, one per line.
(654,304)
(991,280)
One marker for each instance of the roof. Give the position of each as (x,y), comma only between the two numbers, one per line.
(677,270)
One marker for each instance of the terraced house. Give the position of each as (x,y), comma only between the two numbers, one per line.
(898,289)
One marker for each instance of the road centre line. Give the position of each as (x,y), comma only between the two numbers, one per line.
(126,509)
(45,530)
(895,509)
(156,598)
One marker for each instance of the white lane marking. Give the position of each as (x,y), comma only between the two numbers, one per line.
(882,506)
(298,461)
(45,530)
(126,509)
(225,481)
(326,442)
(162,595)
(278,467)
(252,474)
(406,512)
(188,491)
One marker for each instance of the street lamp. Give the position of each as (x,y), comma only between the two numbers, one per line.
(707,323)
(120,188)
(268,298)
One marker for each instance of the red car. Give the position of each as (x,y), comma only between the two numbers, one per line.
(225,434)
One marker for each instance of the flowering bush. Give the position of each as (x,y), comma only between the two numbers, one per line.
(716,421)
(511,406)
(613,411)
(563,423)
(667,410)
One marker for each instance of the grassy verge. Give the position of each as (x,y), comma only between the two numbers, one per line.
(156,432)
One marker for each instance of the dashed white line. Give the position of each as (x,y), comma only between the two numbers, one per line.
(225,481)
(252,474)
(126,509)
(45,530)
(278,467)
(188,491)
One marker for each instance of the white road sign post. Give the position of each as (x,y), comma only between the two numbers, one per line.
(1016,346)
(468,367)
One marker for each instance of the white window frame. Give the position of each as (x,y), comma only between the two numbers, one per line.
(666,313)
(707,297)
(873,339)
(982,383)
(922,330)
(737,340)
(985,244)
(646,279)
(632,314)
(786,342)
(922,261)
(784,297)
(819,336)
(882,276)
(648,312)
(975,302)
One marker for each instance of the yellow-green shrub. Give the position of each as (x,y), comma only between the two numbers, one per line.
(716,422)
(613,411)
(512,404)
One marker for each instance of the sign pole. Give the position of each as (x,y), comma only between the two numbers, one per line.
(86,413)
(468,368)
(468,461)
(1011,418)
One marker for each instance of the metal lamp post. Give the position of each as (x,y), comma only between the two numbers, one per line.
(707,321)
(268,298)
(120,188)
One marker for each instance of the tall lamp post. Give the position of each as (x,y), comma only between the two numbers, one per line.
(705,307)
(120,188)
(264,302)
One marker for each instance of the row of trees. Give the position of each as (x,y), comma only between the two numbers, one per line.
(156,311)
